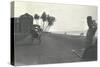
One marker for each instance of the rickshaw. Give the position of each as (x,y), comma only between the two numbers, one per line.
(36,33)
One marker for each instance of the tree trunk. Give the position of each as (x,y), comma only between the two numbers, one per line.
(37,22)
(48,28)
(43,25)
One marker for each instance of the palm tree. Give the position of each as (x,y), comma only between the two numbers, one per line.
(44,18)
(36,17)
(51,21)
(48,20)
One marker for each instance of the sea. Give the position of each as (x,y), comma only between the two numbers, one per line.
(80,33)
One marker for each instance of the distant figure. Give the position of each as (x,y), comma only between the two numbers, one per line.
(65,33)
(91,31)
(81,34)
(90,49)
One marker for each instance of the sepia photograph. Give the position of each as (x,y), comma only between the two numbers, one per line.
(49,33)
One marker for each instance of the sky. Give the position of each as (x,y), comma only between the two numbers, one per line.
(68,17)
